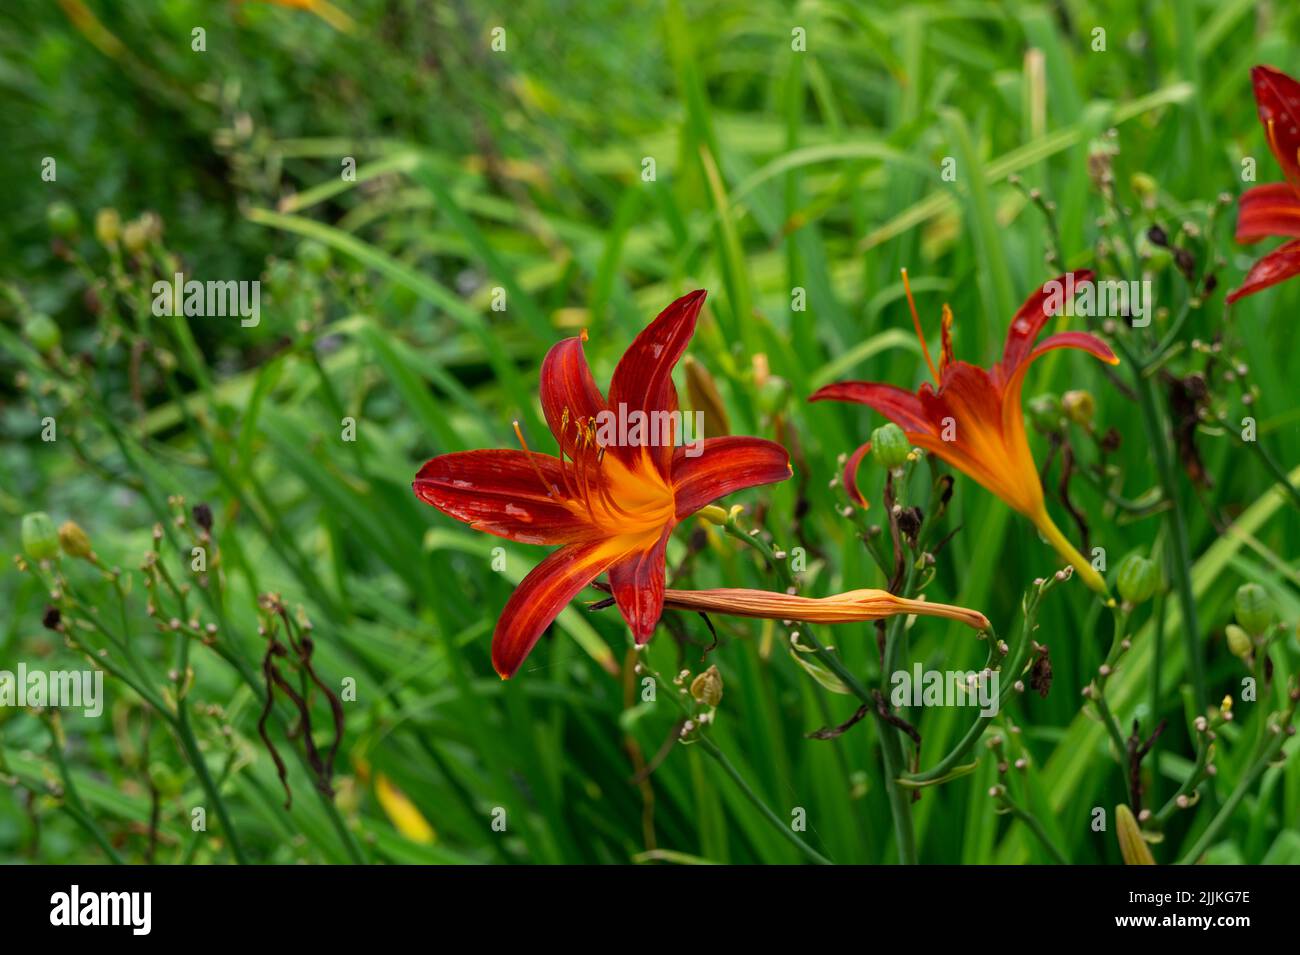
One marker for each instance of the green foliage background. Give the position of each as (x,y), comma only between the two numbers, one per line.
(775,169)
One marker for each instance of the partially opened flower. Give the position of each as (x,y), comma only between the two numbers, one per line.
(848,607)
(612,497)
(1273,209)
(973,420)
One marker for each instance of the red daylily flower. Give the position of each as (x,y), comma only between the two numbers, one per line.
(610,504)
(1273,209)
(973,420)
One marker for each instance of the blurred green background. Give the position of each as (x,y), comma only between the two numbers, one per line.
(776,168)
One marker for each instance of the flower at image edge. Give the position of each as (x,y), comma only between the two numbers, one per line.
(1273,209)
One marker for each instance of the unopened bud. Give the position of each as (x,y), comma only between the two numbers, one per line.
(74,541)
(1045,413)
(1254,608)
(1078,406)
(40,541)
(1131,844)
(889,446)
(108,226)
(1239,641)
(1137,579)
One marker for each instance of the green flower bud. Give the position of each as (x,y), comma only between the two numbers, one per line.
(1078,406)
(108,226)
(1045,413)
(1255,609)
(42,332)
(1137,579)
(315,256)
(74,541)
(40,541)
(1239,641)
(62,219)
(889,446)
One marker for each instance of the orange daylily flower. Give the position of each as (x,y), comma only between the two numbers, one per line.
(610,500)
(973,420)
(1273,209)
(848,607)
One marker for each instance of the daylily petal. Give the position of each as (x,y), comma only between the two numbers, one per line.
(500,492)
(643,378)
(540,597)
(1081,340)
(637,583)
(725,465)
(851,474)
(899,406)
(848,607)
(1278,98)
(1282,263)
(980,444)
(1032,316)
(1268,210)
(567,385)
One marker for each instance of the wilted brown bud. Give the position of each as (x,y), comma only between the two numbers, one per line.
(202,516)
(702,391)
(707,687)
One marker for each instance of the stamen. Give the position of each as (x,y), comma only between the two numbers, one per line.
(916,323)
(584,484)
(550,489)
(564,471)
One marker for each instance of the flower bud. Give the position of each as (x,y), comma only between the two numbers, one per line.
(1254,608)
(108,226)
(1045,413)
(42,331)
(137,234)
(62,219)
(889,446)
(707,687)
(74,541)
(1131,844)
(314,255)
(1144,187)
(1078,406)
(702,391)
(40,542)
(1137,579)
(1239,641)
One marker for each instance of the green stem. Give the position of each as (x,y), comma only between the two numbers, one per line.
(72,803)
(1179,559)
(1229,807)
(1036,827)
(900,804)
(789,834)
